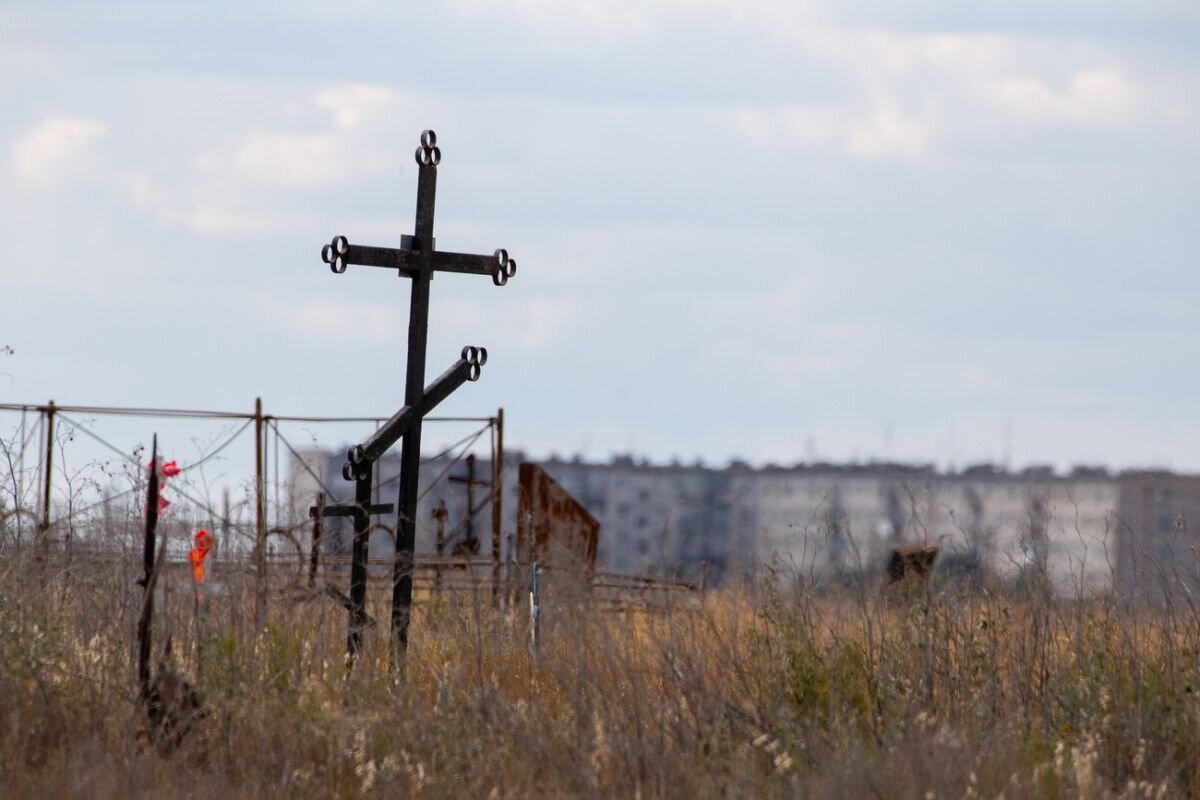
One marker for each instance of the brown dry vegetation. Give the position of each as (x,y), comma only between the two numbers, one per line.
(770,690)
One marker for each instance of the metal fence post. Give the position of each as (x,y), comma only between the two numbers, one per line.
(260,512)
(315,555)
(49,466)
(497,494)
(535,615)
(439,526)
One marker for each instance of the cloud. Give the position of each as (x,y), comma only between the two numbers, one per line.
(547,322)
(336,321)
(536,324)
(284,159)
(197,213)
(296,153)
(48,150)
(1101,95)
(614,16)
(888,134)
(878,133)
(352,104)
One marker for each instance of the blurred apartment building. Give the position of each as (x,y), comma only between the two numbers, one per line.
(1087,531)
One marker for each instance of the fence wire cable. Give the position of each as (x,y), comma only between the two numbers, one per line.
(105,501)
(468,439)
(209,456)
(115,411)
(450,466)
(470,517)
(132,461)
(302,461)
(466,442)
(129,457)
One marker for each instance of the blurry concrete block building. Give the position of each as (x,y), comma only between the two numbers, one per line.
(1085,531)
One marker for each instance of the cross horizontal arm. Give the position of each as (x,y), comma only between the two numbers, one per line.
(339,253)
(350,511)
(465,369)
(465,263)
(471,481)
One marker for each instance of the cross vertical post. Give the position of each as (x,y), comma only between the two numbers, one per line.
(358,563)
(414,385)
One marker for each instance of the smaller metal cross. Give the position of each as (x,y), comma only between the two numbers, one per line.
(362,510)
(472,543)
(360,466)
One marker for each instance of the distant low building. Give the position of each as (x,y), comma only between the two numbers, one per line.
(1159,534)
(1085,532)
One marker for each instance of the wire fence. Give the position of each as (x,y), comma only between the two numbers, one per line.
(73,482)
(76,474)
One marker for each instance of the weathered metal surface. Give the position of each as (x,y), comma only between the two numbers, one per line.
(553,528)
(912,561)
(417,260)
(349,511)
(340,253)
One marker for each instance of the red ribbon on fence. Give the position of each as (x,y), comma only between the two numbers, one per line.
(168,469)
(204,543)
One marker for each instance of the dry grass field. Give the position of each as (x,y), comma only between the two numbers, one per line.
(767,690)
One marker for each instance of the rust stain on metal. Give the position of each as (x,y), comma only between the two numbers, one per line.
(552,526)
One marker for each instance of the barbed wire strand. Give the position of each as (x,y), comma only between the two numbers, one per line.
(132,461)
(303,462)
(469,439)
(119,411)
(450,466)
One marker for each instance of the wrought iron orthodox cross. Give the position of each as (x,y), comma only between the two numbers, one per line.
(417,259)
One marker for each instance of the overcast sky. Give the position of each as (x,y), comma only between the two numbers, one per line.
(769,230)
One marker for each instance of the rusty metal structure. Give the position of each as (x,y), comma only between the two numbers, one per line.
(553,528)
(914,561)
(417,259)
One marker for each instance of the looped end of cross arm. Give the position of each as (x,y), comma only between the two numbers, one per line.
(354,468)
(504,267)
(334,254)
(475,357)
(428,154)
